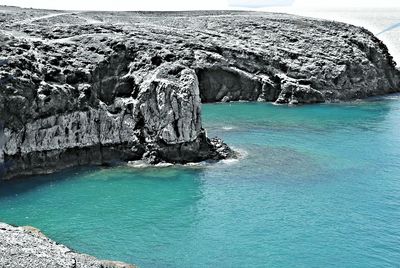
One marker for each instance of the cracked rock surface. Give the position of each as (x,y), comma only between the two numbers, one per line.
(22,247)
(81,88)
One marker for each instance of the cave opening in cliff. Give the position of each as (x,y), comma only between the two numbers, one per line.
(220,84)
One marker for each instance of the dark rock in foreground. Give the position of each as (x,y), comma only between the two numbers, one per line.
(94,87)
(22,247)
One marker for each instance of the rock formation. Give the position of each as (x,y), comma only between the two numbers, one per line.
(82,88)
(22,247)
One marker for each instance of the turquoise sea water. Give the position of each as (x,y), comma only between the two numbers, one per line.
(316,186)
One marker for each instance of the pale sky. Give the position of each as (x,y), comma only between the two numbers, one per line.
(201,4)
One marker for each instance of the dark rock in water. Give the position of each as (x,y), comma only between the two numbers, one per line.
(293,93)
(22,247)
(97,87)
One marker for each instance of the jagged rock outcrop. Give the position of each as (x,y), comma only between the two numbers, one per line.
(22,247)
(96,87)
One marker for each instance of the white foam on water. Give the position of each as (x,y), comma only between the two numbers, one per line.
(241,154)
(143,164)
(164,165)
(228,128)
(195,164)
(139,164)
(230,161)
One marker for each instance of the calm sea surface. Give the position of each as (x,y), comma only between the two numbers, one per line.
(316,186)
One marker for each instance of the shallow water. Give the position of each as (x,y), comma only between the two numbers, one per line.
(317,186)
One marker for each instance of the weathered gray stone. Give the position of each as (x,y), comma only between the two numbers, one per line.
(22,247)
(75,90)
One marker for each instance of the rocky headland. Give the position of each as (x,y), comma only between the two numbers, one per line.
(80,88)
(22,247)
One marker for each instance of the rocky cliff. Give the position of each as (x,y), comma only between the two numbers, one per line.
(22,247)
(95,87)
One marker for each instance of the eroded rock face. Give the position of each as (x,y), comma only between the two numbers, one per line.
(293,93)
(98,87)
(22,247)
(222,84)
(161,123)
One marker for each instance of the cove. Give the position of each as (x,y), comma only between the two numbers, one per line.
(315,186)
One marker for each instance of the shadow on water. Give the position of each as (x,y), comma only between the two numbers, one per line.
(24,184)
(241,116)
(303,183)
(71,206)
(21,185)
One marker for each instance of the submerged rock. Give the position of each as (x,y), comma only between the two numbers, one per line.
(98,87)
(22,247)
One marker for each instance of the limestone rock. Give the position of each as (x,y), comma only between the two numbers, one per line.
(22,247)
(101,87)
(293,93)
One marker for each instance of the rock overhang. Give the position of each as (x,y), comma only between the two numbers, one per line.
(135,87)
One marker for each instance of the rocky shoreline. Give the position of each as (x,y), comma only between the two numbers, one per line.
(80,88)
(22,247)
